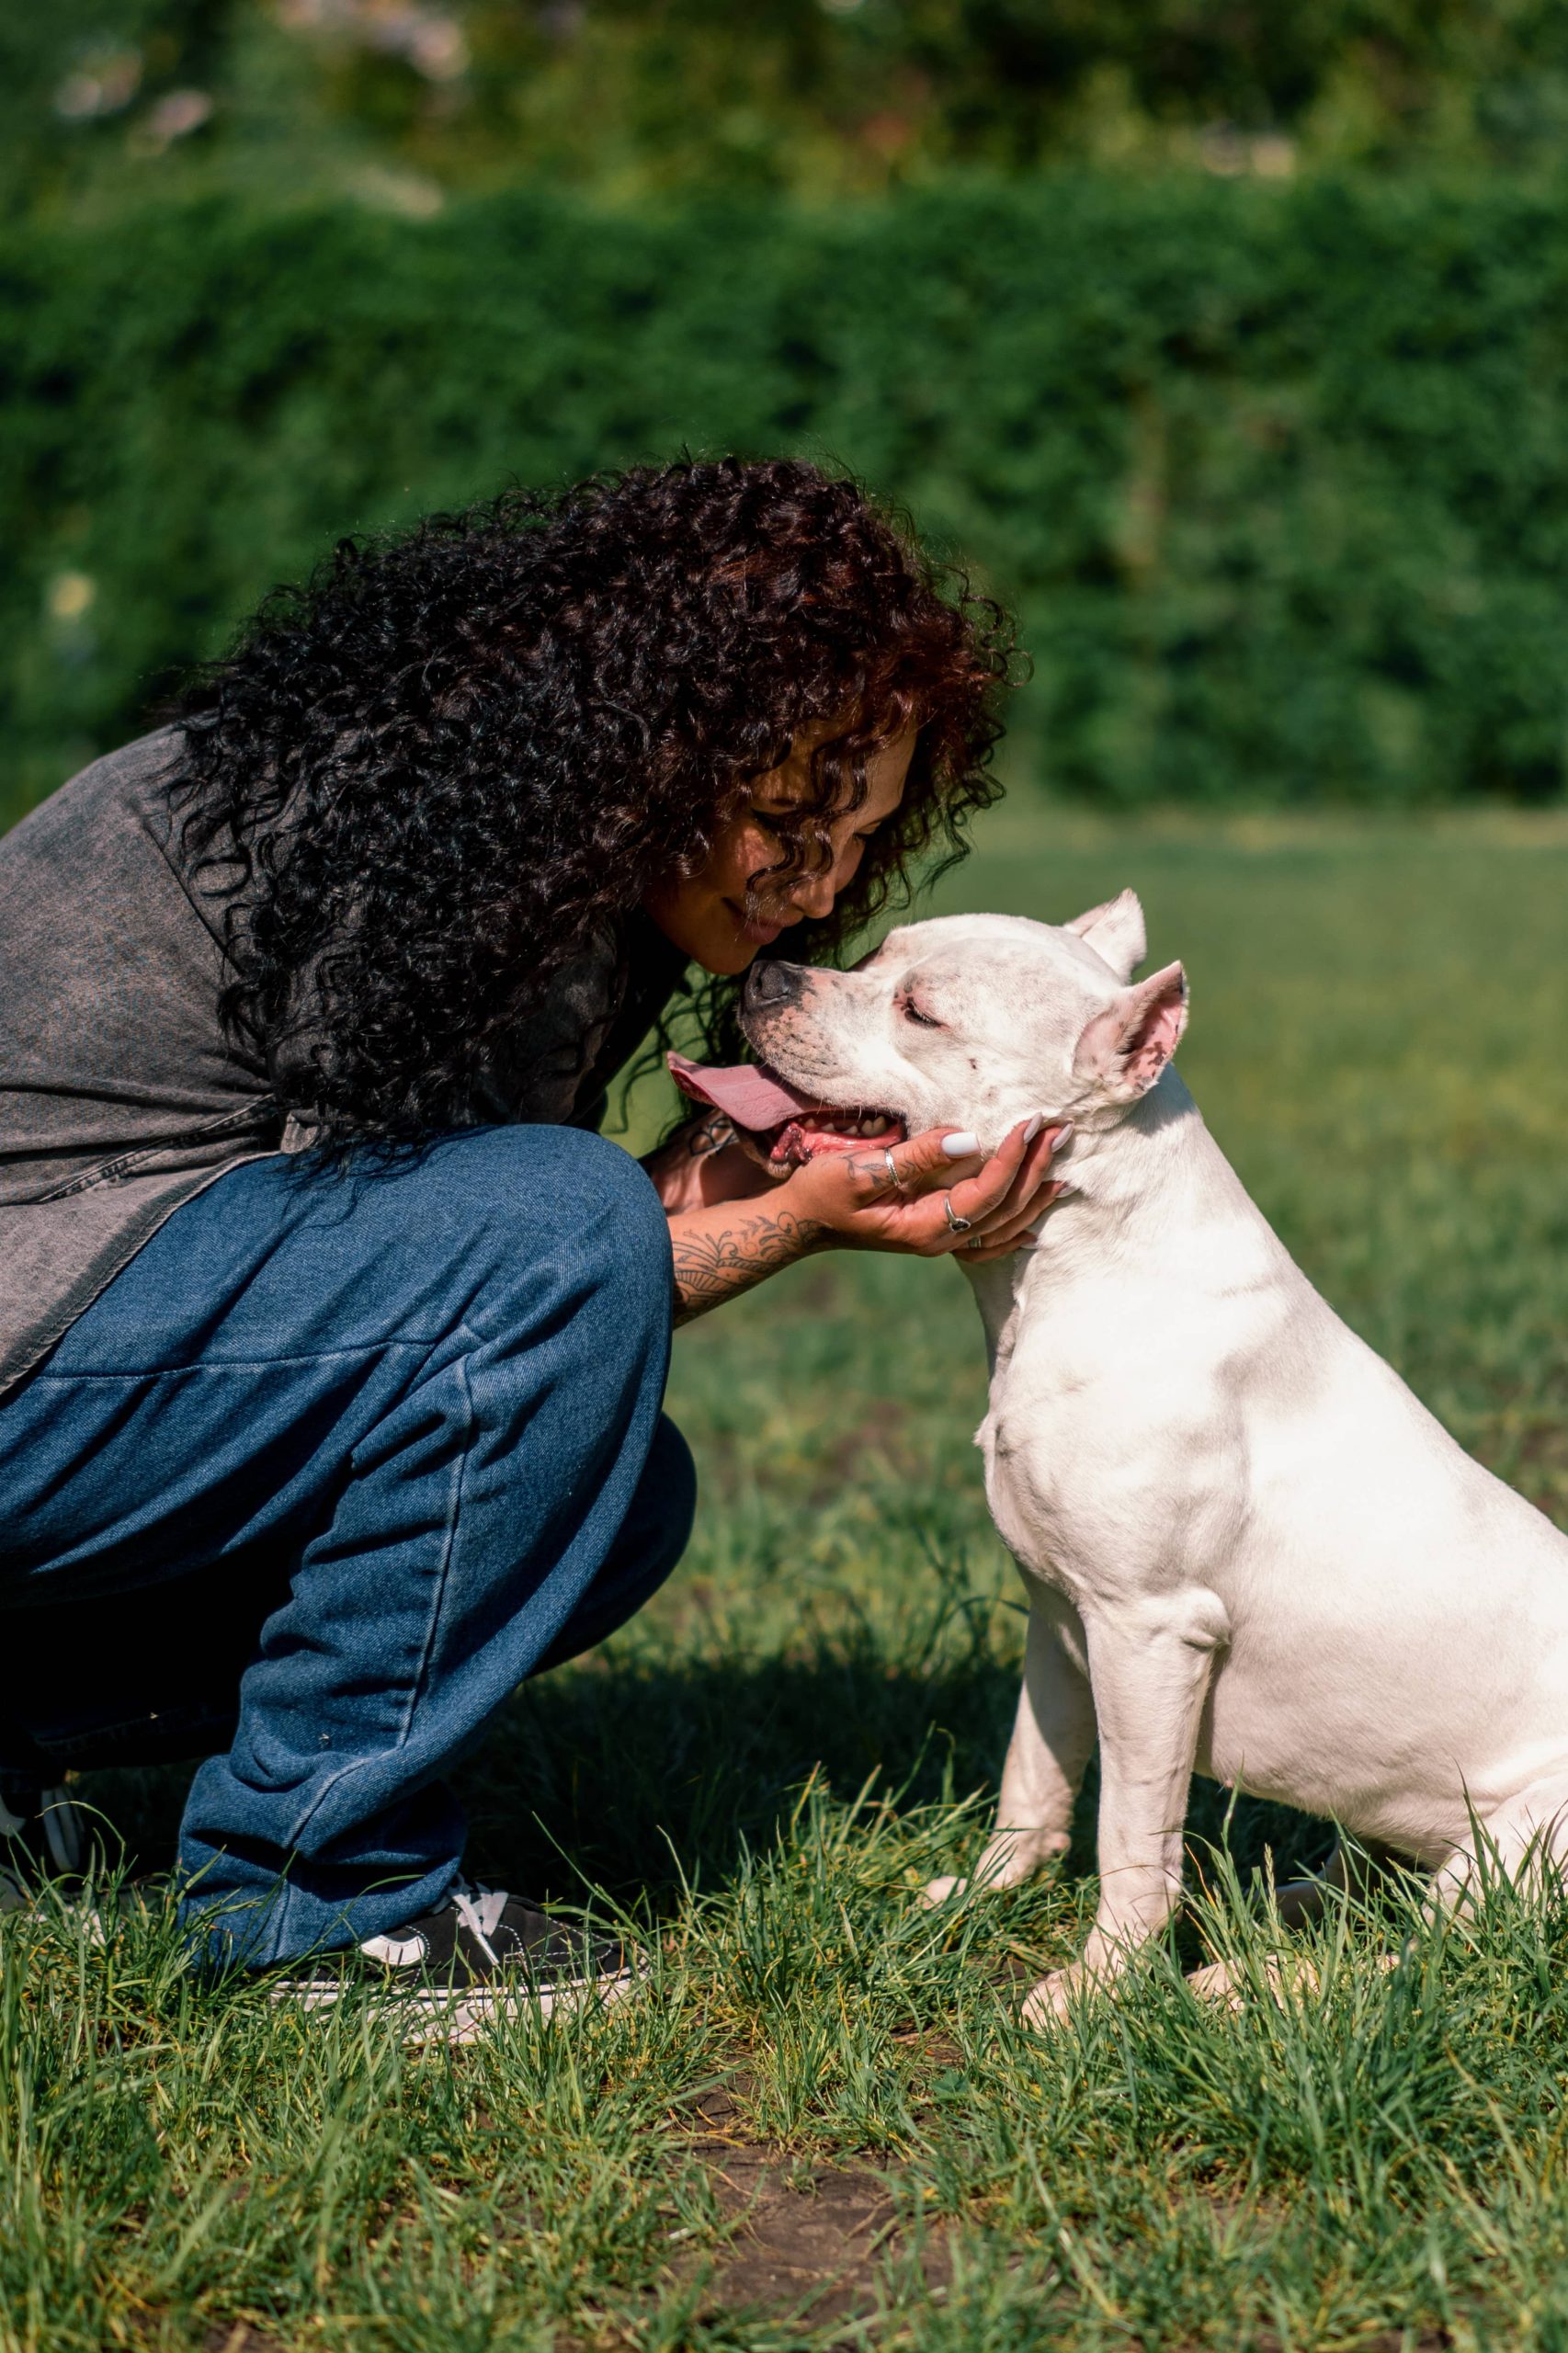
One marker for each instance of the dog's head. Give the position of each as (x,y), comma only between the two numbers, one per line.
(974,1021)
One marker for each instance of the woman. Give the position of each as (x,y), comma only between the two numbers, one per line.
(333,1338)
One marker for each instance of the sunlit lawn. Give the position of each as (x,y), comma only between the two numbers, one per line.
(793,1737)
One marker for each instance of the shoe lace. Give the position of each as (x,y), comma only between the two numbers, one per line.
(480,1909)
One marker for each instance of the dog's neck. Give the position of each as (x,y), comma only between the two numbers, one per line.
(1133,1185)
(1116,1161)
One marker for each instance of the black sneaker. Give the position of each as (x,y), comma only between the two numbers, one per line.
(481,1955)
(43,1836)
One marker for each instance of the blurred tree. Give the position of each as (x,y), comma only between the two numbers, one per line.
(76,77)
(405,98)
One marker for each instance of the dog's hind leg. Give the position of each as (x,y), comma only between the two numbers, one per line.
(1348,1871)
(1524,1840)
(1053,1738)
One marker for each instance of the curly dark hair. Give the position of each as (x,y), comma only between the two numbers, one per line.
(463,752)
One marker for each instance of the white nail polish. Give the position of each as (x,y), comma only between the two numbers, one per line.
(1034,1127)
(962,1146)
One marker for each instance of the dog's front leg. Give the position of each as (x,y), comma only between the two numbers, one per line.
(1053,1738)
(1149,1667)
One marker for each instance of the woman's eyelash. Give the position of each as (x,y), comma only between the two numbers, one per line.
(772,819)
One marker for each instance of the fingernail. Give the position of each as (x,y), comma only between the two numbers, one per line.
(1035,1125)
(962,1146)
(1065,1138)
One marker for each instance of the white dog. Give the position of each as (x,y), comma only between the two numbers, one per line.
(1247,1548)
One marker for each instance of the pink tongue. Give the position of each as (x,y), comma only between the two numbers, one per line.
(749,1096)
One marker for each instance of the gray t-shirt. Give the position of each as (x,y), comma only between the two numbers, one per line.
(120,1096)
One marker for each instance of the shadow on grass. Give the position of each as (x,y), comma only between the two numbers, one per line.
(643,1776)
(638,1776)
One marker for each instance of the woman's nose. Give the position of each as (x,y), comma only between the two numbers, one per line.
(814,893)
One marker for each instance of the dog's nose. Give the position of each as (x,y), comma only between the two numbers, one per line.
(773,984)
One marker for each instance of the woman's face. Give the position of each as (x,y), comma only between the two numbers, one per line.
(705,914)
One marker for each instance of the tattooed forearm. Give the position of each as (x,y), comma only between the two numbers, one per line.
(722,1252)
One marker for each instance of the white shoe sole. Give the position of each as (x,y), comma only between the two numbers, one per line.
(430,2015)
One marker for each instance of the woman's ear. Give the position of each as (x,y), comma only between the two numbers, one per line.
(1115,931)
(1123,1049)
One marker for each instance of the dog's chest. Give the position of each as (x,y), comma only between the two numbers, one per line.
(1048,1456)
(1100,1430)
(1022,1494)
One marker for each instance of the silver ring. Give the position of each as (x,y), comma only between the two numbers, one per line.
(957,1224)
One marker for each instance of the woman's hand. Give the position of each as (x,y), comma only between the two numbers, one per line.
(855,1200)
(897,1198)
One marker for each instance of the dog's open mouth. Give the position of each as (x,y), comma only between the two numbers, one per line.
(784,1126)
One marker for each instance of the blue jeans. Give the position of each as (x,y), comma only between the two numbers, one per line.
(331,1467)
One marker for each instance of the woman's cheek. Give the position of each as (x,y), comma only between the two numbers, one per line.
(740,856)
(759,855)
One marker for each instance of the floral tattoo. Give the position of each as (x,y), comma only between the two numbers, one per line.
(711,1267)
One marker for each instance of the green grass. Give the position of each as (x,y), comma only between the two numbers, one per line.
(807,1723)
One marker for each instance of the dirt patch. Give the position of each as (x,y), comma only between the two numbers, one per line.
(1387,2340)
(237,2337)
(811,2237)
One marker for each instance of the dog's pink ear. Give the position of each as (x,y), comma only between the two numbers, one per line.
(1126,1047)
(1115,931)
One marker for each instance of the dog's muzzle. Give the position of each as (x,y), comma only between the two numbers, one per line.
(772,984)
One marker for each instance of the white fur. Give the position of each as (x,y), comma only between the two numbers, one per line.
(1248,1549)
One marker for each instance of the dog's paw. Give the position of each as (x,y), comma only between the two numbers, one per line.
(1287,1978)
(942,1891)
(1052,2001)
(1010,1859)
(1227,1984)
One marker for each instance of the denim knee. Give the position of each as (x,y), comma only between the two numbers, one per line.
(591,1187)
(581,1205)
(607,1194)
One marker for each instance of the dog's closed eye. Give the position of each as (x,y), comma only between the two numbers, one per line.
(913,1012)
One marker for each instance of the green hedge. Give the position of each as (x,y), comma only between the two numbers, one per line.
(1277,476)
